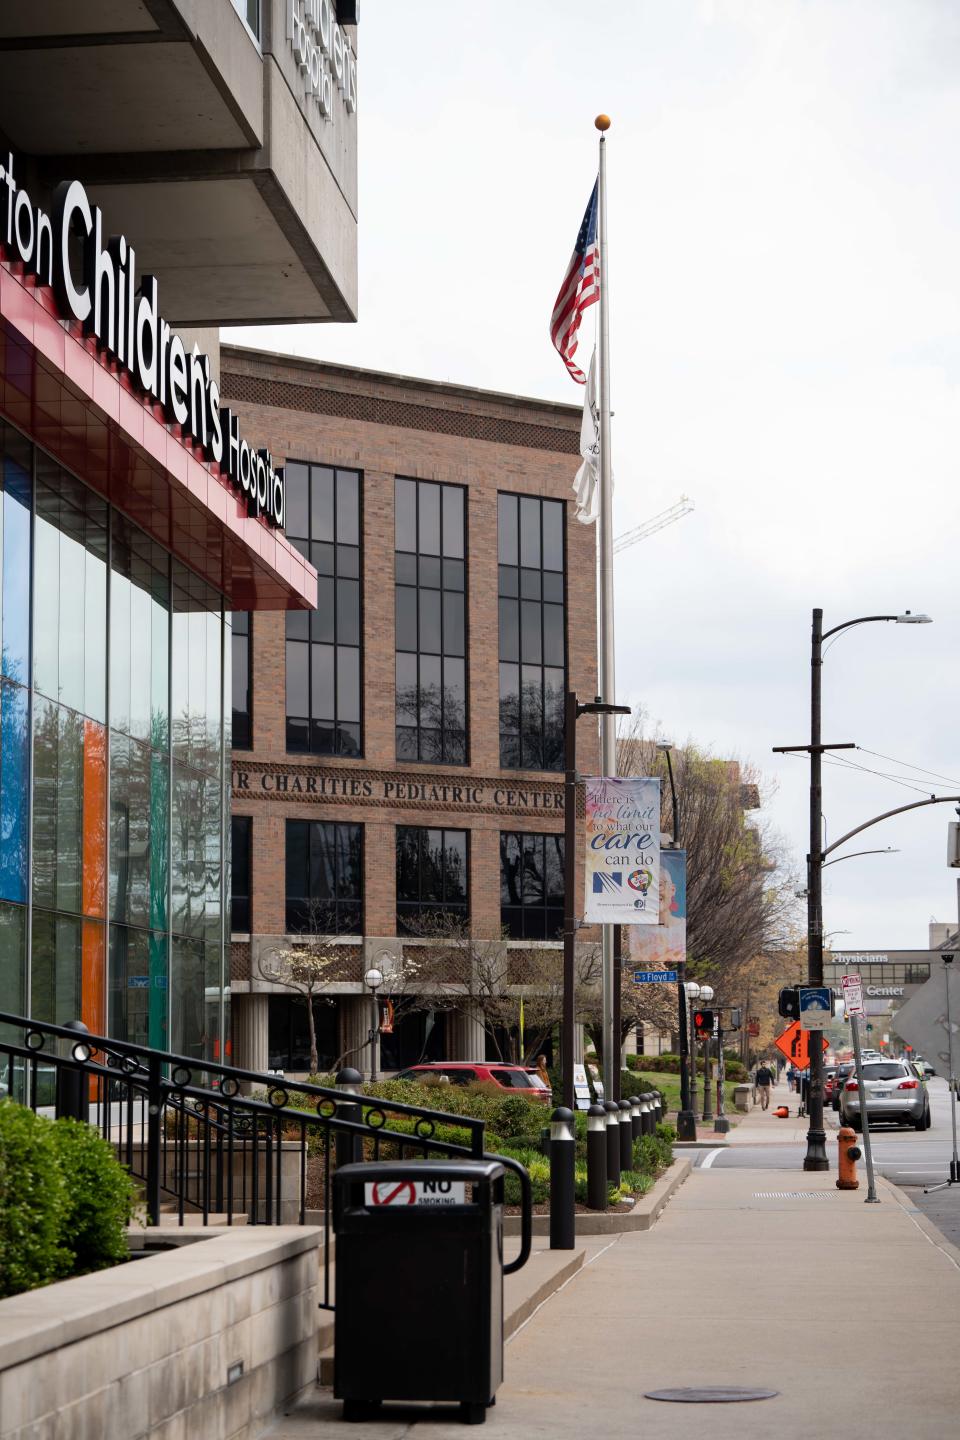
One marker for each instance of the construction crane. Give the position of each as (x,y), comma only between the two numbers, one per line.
(657,522)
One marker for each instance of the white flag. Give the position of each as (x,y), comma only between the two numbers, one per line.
(586,484)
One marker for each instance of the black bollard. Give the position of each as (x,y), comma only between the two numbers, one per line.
(636,1117)
(647,1123)
(563,1153)
(349,1147)
(626,1137)
(660,1109)
(71,1098)
(597,1157)
(613,1141)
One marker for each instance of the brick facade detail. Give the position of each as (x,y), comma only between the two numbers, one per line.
(384,426)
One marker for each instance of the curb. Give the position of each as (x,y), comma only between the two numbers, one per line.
(913,1212)
(642,1216)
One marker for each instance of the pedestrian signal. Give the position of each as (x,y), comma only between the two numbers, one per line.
(789,1005)
(703,1021)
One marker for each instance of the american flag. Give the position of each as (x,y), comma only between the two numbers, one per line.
(580,288)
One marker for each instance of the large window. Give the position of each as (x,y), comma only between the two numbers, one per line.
(241,650)
(323,646)
(532,650)
(324,878)
(531,885)
(431,622)
(240,841)
(432,877)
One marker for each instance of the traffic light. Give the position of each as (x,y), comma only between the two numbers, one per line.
(789,1005)
(736,1018)
(703,1021)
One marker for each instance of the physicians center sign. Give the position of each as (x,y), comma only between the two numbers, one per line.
(622,851)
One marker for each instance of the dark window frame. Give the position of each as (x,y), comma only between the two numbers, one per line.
(424,907)
(528,597)
(451,745)
(348,910)
(241,900)
(241,734)
(523,916)
(318,728)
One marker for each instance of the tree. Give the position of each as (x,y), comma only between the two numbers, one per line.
(318,961)
(741,903)
(307,970)
(456,971)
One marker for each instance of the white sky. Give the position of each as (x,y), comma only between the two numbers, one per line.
(784,220)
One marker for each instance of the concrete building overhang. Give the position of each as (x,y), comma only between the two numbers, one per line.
(194,135)
(86,414)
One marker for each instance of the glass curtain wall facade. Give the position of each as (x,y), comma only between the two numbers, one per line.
(114,761)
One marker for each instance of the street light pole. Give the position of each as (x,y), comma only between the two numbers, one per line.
(572,711)
(686,1120)
(816,1155)
(373,980)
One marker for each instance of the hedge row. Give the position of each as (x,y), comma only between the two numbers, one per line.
(64,1200)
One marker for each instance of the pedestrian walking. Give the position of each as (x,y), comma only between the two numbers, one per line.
(763,1079)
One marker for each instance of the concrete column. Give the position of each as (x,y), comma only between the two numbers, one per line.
(354,1032)
(249,1020)
(466,1037)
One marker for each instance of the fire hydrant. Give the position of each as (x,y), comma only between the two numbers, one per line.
(849,1154)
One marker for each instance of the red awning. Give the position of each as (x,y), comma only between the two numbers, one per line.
(56,388)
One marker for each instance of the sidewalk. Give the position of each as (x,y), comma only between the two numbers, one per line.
(751,1278)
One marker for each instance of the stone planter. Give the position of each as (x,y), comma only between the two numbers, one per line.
(210,1340)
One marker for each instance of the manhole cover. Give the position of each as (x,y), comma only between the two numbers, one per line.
(711,1395)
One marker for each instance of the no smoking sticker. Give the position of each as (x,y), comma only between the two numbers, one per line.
(415,1192)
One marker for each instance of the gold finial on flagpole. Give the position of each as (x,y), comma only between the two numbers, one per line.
(602,122)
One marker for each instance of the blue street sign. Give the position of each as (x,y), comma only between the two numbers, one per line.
(816,1006)
(654,977)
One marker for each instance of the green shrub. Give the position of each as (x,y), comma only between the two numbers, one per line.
(32,1201)
(64,1200)
(100,1198)
(652,1154)
(670,1064)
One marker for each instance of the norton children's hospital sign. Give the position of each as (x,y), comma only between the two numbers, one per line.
(95,282)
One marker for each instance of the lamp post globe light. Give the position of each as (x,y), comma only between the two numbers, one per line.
(692,989)
(816,1154)
(706,995)
(373,979)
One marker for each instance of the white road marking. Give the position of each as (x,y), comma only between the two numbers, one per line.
(709,1159)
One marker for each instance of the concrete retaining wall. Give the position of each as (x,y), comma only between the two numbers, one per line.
(208,1340)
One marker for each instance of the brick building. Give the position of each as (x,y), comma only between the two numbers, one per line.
(400,751)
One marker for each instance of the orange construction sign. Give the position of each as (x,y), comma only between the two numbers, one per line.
(794,1043)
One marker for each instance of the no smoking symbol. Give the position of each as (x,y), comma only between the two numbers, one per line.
(393,1192)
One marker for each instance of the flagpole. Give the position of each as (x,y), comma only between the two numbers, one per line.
(607,680)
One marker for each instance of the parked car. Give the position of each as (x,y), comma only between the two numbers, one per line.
(834,1083)
(923,1067)
(894,1092)
(517,1078)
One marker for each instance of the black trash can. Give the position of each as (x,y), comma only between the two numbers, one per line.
(419,1264)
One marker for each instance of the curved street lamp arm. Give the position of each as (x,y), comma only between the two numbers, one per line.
(854,853)
(914,805)
(848,624)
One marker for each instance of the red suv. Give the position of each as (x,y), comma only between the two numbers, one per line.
(468,1072)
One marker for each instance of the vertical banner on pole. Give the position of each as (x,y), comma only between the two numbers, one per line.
(622,851)
(664,946)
